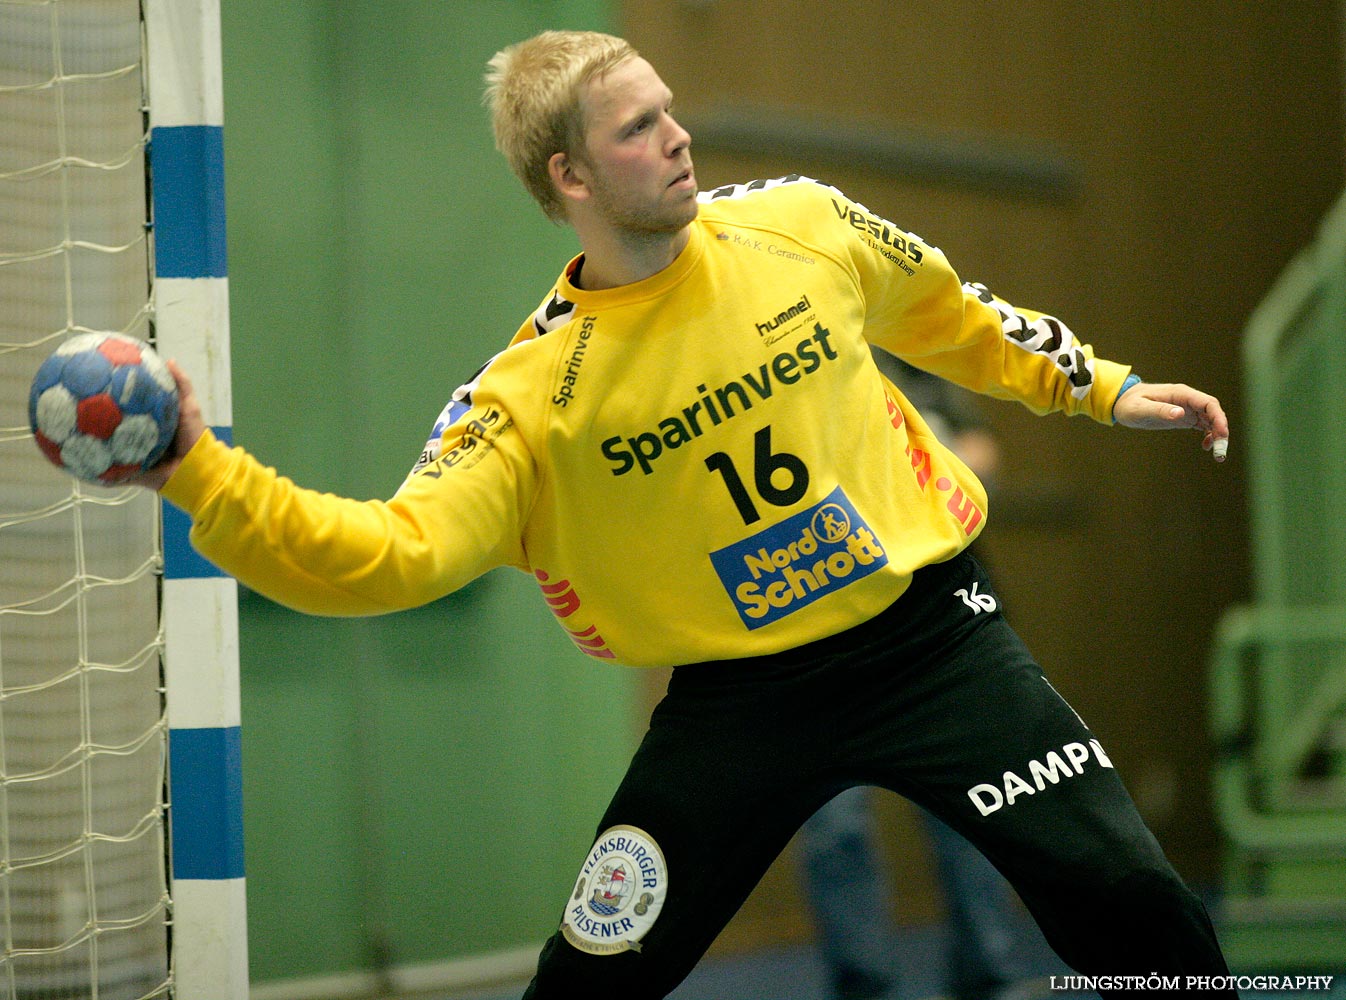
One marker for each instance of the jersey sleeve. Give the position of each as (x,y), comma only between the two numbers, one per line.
(457,517)
(918,309)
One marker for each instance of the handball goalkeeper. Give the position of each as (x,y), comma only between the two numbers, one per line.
(689,447)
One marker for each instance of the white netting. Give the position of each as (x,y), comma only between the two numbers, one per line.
(83,887)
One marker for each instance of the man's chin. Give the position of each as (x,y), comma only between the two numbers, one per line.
(689,211)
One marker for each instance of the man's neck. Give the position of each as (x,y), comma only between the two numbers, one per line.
(611,263)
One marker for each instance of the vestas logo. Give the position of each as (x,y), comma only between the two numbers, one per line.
(881,235)
(798,561)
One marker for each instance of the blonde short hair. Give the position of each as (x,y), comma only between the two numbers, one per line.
(533,93)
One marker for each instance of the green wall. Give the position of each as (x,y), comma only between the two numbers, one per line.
(421,786)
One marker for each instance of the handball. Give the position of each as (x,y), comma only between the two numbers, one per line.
(103,407)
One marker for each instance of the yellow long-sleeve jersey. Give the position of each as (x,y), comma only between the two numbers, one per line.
(705,464)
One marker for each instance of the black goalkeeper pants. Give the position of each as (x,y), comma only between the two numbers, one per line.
(936,699)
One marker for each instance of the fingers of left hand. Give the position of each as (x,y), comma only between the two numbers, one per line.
(1200,410)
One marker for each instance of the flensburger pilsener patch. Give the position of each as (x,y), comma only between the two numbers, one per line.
(619,893)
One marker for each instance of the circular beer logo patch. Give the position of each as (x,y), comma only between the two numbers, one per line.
(619,893)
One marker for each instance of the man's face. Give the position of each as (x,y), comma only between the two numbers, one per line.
(637,160)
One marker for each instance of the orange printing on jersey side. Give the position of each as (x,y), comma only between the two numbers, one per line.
(962,507)
(564,602)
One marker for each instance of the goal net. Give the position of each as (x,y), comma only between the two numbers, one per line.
(84,901)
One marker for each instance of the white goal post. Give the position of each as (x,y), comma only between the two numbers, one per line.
(200,607)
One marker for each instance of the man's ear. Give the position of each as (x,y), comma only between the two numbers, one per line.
(568,177)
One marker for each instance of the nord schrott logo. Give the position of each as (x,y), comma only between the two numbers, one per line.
(793,563)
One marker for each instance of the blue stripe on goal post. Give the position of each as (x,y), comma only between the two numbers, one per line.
(206,793)
(188,164)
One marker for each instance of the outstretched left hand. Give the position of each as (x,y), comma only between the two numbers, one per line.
(1168,406)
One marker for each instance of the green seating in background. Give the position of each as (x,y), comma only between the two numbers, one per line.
(1278,679)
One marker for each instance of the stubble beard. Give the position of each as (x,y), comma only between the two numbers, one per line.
(646,222)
